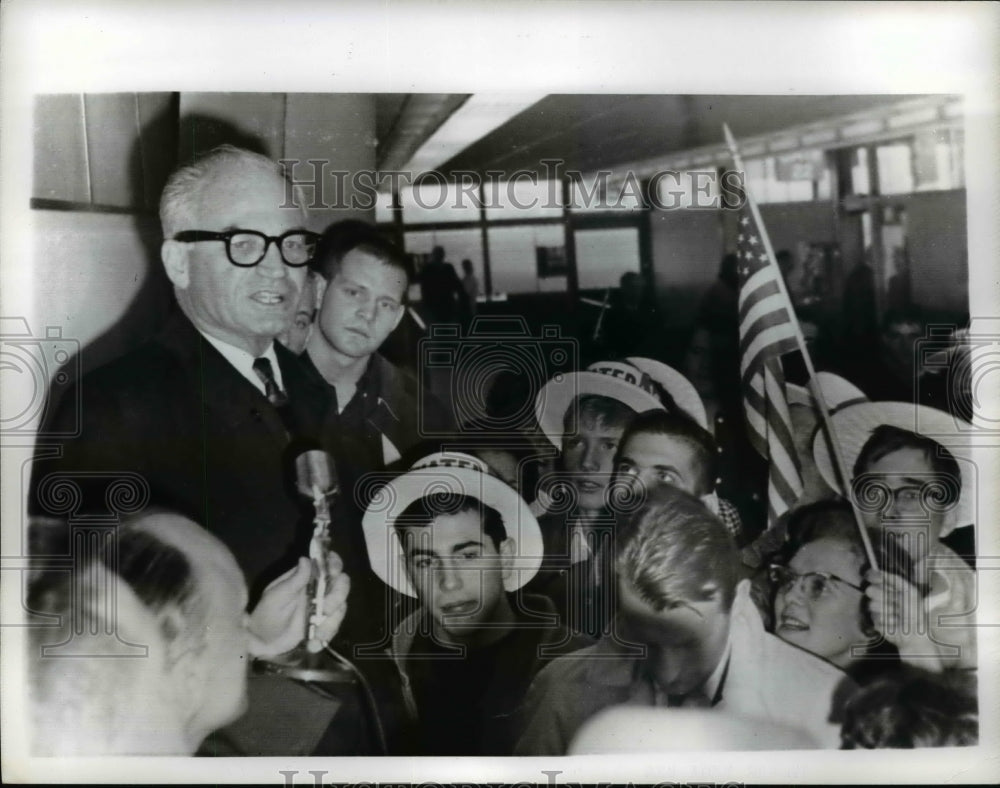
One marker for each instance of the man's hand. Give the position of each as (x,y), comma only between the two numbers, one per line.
(899,612)
(278,623)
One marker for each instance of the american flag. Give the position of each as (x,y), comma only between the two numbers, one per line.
(767,331)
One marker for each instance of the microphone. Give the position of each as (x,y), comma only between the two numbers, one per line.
(316,478)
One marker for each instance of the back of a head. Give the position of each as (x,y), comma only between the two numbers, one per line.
(348,235)
(671,548)
(913,708)
(162,575)
(96,681)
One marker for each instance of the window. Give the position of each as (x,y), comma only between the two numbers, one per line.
(383,208)
(859,173)
(522,199)
(605,194)
(458,245)
(895,173)
(798,177)
(689,189)
(602,256)
(439,202)
(938,160)
(514,259)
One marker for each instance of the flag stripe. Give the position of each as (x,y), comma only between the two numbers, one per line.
(753,294)
(771,341)
(767,331)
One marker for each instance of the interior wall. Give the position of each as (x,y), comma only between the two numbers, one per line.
(791,223)
(97,275)
(686,248)
(938,247)
(336,131)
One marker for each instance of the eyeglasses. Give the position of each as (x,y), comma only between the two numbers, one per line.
(246,248)
(814,584)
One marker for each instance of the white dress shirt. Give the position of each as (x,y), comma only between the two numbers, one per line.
(243,361)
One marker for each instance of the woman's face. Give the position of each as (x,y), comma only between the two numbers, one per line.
(824,618)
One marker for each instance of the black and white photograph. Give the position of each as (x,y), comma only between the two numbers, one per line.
(550,393)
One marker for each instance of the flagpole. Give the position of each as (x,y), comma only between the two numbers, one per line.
(814,386)
(600,317)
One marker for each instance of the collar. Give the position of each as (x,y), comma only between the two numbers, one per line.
(941,566)
(243,361)
(369,382)
(715,683)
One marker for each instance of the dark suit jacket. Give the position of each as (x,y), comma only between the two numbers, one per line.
(207,442)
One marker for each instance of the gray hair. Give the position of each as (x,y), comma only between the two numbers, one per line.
(179,199)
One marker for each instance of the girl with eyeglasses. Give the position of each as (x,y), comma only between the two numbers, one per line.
(817,582)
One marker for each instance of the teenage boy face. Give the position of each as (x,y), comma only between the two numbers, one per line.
(457,571)
(647,460)
(589,458)
(906,473)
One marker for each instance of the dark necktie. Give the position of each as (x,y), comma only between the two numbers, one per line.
(275,395)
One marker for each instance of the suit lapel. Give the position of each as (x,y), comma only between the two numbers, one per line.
(230,398)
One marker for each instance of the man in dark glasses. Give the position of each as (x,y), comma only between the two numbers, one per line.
(199,417)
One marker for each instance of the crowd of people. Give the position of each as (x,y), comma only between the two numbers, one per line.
(566,586)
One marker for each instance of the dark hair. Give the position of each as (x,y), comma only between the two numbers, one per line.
(345,236)
(672,546)
(162,577)
(421,513)
(886,439)
(685,429)
(913,708)
(598,410)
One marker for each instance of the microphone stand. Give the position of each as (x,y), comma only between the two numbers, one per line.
(310,660)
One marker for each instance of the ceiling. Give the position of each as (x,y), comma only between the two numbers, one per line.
(588,132)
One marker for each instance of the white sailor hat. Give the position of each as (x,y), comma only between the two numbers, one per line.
(631,382)
(854,425)
(446,473)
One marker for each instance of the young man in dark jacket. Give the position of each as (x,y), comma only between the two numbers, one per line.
(463,543)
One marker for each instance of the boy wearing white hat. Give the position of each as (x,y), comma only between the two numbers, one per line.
(584,415)
(914,489)
(462,542)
